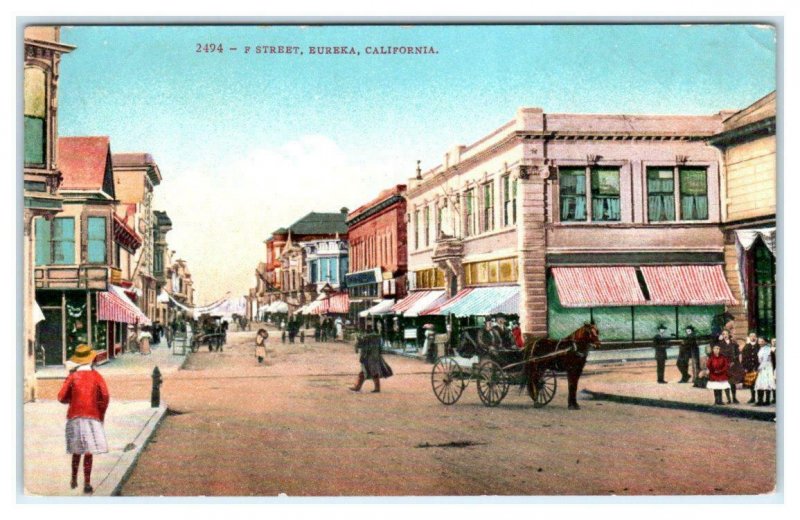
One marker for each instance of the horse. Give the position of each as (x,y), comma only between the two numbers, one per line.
(572,361)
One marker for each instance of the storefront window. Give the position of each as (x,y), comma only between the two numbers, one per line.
(492,271)
(572,184)
(605,194)
(764,288)
(694,194)
(96,241)
(660,194)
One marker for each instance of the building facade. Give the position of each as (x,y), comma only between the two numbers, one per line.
(162,257)
(77,256)
(378,254)
(41,176)
(135,177)
(557,204)
(749,187)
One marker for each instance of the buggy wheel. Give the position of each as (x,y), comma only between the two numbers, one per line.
(543,389)
(492,383)
(447,380)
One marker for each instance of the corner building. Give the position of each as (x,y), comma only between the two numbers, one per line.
(611,218)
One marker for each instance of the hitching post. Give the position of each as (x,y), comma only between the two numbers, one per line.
(155,395)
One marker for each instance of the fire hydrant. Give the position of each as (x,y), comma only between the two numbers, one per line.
(155,394)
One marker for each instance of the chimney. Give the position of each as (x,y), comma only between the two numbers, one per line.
(344,211)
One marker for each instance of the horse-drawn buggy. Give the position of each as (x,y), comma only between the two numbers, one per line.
(496,366)
(211,331)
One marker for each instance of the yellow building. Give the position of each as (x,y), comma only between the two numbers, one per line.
(749,187)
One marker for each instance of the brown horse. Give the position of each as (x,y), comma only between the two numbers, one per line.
(572,361)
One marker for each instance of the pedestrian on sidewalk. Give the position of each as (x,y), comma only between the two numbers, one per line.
(686,353)
(261,348)
(765,382)
(717,366)
(339,335)
(661,344)
(729,348)
(749,352)
(86,393)
(373,366)
(774,357)
(144,339)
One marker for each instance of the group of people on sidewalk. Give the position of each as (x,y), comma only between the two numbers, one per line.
(728,364)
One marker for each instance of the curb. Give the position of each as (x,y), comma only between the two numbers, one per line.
(757,415)
(113,482)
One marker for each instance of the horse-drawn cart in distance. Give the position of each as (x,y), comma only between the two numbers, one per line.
(211,332)
(494,368)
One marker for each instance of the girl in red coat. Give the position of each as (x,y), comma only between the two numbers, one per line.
(87,395)
(717,366)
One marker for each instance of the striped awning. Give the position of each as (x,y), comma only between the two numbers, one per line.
(114,305)
(432,299)
(480,301)
(598,286)
(687,285)
(336,304)
(382,307)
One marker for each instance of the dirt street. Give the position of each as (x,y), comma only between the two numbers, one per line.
(239,429)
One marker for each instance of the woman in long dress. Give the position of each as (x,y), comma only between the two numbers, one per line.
(86,393)
(261,348)
(765,382)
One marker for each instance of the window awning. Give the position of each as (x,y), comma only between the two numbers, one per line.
(480,301)
(336,304)
(418,302)
(278,306)
(687,285)
(383,307)
(114,305)
(598,286)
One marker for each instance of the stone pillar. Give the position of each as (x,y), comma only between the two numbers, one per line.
(531,244)
(29,296)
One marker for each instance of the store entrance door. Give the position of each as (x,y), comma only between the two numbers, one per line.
(50,337)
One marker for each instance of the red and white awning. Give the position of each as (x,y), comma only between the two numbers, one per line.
(114,305)
(687,285)
(336,304)
(598,286)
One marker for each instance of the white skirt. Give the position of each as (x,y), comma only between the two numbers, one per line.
(718,385)
(85,436)
(765,379)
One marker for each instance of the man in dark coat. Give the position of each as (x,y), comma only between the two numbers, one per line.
(686,353)
(373,366)
(730,349)
(661,344)
(750,364)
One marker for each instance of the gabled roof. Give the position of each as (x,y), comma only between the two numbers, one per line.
(85,163)
(320,224)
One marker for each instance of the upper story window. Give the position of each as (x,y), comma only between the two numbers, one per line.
(660,194)
(426,222)
(509,200)
(35,85)
(416,229)
(694,193)
(605,194)
(488,206)
(470,213)
(96,244)
(572,184)
(55,241)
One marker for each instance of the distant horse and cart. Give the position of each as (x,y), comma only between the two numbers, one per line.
(212,332)
(494,370)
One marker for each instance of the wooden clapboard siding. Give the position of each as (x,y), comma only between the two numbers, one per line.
(732,276)
(751,179)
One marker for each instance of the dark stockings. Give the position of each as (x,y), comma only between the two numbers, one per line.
(728,395)
(717,396)
(87,471)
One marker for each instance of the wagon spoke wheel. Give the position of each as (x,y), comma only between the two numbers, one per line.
(447,380)
(543,389)
(492,383)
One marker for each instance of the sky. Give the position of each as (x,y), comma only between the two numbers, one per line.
(248,143)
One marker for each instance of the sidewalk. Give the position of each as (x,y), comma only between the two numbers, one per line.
(130,363)
(634,383)
(128,425)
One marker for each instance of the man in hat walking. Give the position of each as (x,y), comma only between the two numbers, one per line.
(660,344)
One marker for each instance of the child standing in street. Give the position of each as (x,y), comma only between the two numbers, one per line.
(717,366)
(261,348)
(86,393)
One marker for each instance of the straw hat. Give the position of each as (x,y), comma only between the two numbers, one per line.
(83,355)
